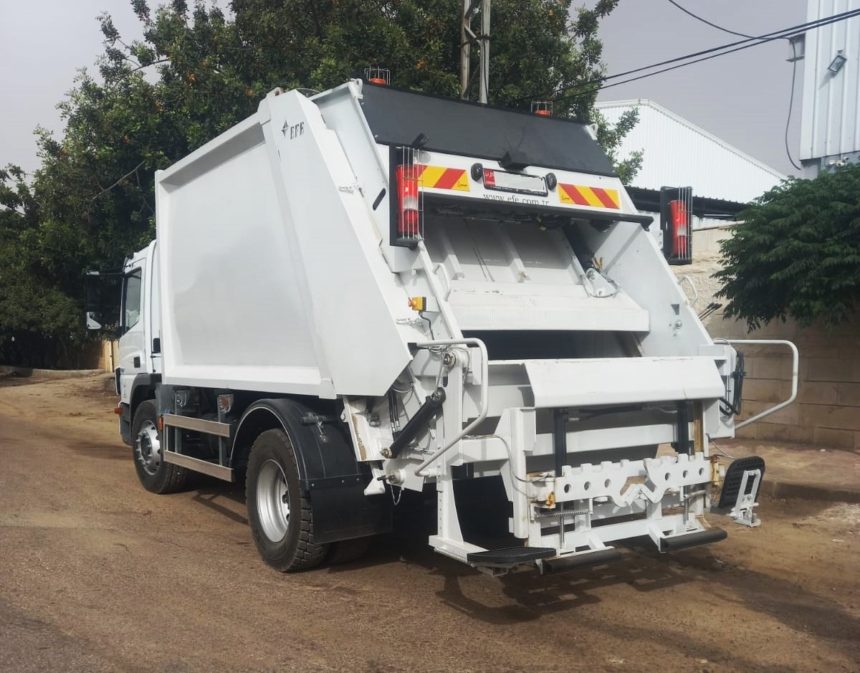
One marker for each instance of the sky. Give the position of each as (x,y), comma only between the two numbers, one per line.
(43,44)
(742,98)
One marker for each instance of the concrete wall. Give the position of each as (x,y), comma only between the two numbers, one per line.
(108,356)
(827,411)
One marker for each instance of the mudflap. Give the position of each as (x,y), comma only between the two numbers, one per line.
(342,511)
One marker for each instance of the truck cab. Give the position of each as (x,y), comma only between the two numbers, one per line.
(139,343)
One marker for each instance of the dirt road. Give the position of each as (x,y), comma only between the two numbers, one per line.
(98,575)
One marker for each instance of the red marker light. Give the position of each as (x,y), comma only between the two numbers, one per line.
(679,219)
(408,217)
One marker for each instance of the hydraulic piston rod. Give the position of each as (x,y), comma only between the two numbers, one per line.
(418,422)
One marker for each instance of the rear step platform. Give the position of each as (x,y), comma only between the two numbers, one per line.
(694,539)
(509,556)
(587,558)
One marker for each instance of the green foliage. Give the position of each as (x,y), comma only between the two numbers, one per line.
(195,73)
(610,138)
(39,322)
(797,252)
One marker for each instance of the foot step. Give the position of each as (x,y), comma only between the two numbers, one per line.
(509,556)
(693,539)
(585,558)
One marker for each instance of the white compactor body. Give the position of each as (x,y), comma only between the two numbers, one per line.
(368,293)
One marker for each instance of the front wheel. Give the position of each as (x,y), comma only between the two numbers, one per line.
(280,515)
(156,475)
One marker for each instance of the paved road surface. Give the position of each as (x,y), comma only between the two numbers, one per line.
(98,575)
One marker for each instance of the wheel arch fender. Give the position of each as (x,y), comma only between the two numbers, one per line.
(328,469)
(143,387)
(324,449)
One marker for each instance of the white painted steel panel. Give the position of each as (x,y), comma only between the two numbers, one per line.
(512,307)
(677,153)
(271,275)
(507,276)
(351,289)
(233,315)
(595,382)
(633,261)
(831,101)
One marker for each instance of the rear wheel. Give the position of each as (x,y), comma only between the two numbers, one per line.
(155,475)
(280,515)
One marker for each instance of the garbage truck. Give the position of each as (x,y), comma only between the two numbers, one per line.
(368,291)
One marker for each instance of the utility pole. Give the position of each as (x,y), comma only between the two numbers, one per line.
(471,10)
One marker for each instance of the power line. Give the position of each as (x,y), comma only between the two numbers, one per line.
(790,106)
(725,49)
(704,20)
(685,64)
(771,37)
(705,54)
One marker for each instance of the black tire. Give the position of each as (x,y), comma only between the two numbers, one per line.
(284,536)
(347,551)
(155,475)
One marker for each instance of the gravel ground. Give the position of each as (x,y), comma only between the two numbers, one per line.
(98,575)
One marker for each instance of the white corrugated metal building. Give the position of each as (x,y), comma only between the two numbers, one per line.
(830,131)
(677,153)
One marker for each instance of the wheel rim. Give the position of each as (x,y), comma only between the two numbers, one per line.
(273,501)
(148,448)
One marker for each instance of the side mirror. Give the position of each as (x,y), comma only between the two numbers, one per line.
(92,322)
(102,296)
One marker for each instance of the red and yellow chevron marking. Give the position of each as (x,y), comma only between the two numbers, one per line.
(440,177)
(594,197)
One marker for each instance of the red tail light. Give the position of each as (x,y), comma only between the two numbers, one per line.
(409,214)
(676,224)
(680,223)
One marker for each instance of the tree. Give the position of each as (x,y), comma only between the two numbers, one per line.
(796,252)
(610,138)
(197,71)
(38,320)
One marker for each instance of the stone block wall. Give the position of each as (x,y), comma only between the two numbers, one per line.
(827,410)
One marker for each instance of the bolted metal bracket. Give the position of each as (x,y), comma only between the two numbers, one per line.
(743,511)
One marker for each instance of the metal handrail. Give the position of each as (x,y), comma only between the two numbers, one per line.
(485,390)
(794,374)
